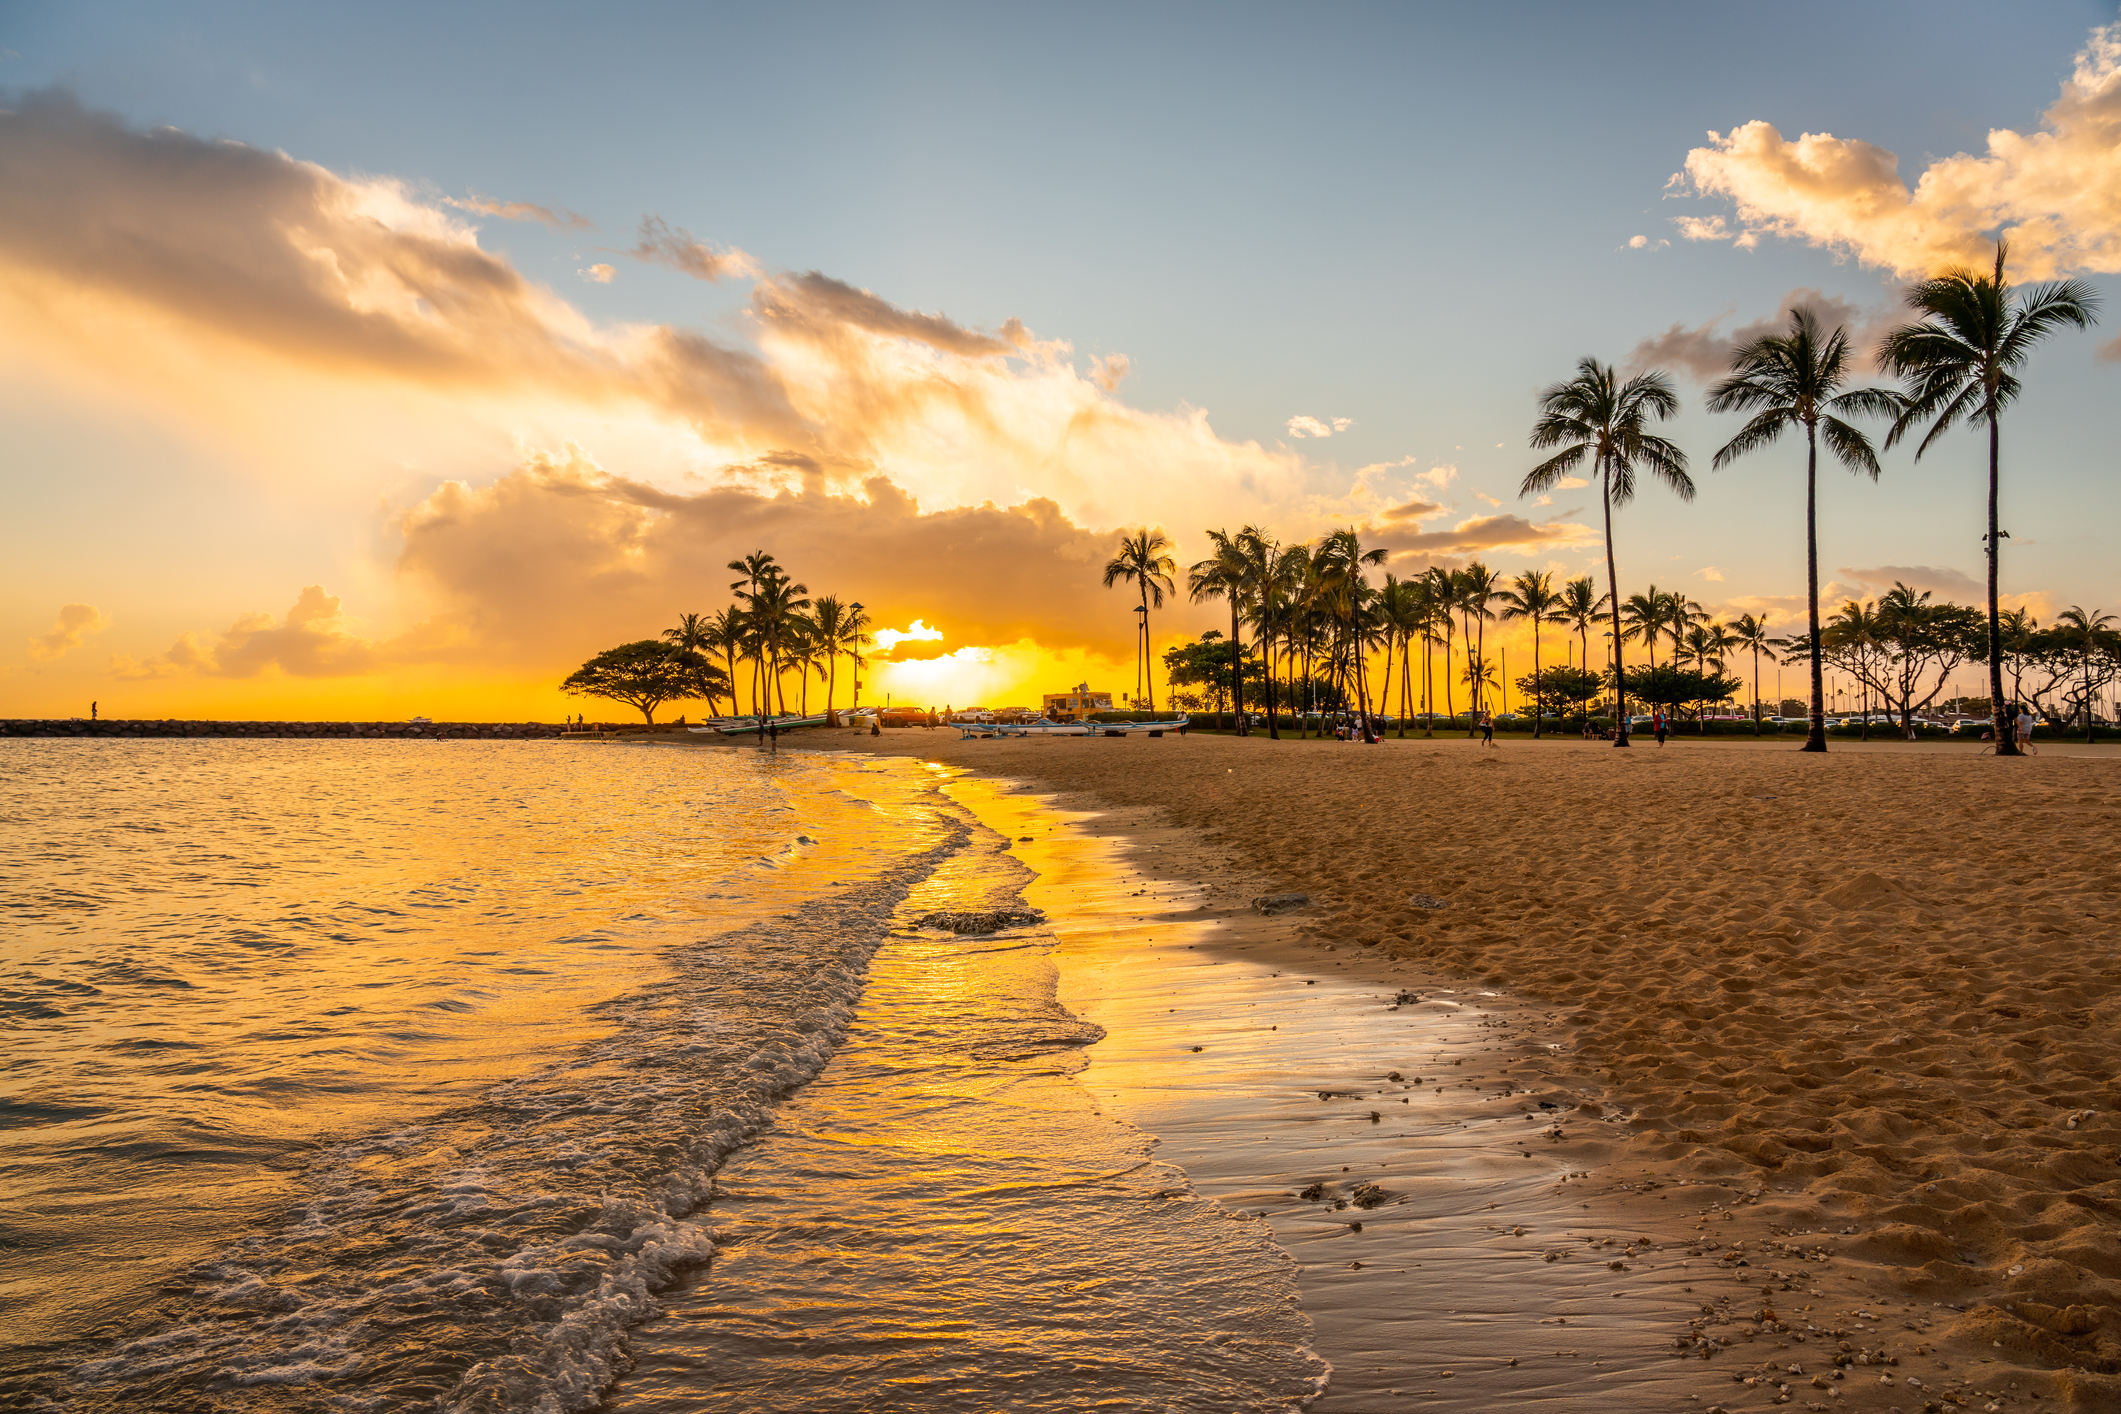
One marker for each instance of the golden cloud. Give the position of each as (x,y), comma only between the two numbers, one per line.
(560,220)
(1482,533)
(2057,191)
(311,641)
(73,626)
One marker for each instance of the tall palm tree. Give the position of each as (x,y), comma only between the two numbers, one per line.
(1594,416)
(1854,631)
(1706,640)
(1751,634)
(1271,571)
(1799,379)
(1581,604)
(1531,596)
(1645,616)
(772,602)
(1443,589)
(1226,574)
(2090,633)
(1478,587)
(726,630)
(695,635)
(1959,361)
(1340,561)
(831,630)
(855,624)
(1144,560)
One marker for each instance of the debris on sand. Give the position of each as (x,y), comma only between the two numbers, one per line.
(1426,901)
(1271,904)
(990,921)
(1369,1195)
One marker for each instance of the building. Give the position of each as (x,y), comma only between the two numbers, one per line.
(1076,703)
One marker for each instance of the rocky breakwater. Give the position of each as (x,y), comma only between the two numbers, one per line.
(409,731)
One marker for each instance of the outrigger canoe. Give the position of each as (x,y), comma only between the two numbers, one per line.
(751,727)
(1084,728)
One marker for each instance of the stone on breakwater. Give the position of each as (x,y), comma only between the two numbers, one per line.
(183,727)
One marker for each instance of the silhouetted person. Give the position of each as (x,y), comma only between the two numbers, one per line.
(92,711)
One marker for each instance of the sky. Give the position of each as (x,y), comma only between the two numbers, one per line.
(389,361)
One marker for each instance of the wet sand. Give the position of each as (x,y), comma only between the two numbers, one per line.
(1836,1033)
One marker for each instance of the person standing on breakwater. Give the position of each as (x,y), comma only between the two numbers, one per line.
(92,711)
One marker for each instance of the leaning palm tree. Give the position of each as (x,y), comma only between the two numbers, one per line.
(1959,361)
(1531,597)
(1144,560)
(1593,416)
(1750,634)
(1478,587)
(1226,574)
(1799,379)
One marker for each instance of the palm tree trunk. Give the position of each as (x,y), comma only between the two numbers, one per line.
(1756,694)
(1237,667)
(2005,744)
(1612,579)
(1815,734)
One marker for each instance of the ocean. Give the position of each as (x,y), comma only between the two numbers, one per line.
(543,1077)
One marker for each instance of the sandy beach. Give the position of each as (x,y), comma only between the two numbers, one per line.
(1835,1033)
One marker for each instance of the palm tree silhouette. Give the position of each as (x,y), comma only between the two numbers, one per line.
(1144,560)
(1477,589)
(1592,416)
(1751,634)
(695,635)
(1959,362)
(1798,379)
(1581,604)
(1226,574)
(1645,616)
(1531,597)
(2090,633)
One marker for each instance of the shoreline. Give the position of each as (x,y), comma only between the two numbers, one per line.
(1929,1199)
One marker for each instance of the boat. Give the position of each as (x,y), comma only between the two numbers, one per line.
(1152,728)
(1043,728)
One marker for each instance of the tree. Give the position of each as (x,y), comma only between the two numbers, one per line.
(833,631)
(1531,597)
(645,675)
(1913,637)
(1562,683)
(1751,634)
(1477,588)
(1205,662)
(1581,604)
(1144,560)
(1226,574)
(695,633)
(772,603)
(1671,685)
(1959,361)
(1797,379)
(2089,634)
(1347,601)
(1589,416)
(1707,642)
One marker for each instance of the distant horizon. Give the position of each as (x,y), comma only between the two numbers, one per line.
(334,387)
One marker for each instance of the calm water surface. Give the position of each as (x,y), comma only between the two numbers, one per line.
(386,1075)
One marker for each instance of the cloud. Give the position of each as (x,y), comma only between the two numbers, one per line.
(2056,191)
(1303,426)
(73,626)
(916,643)
(1438,476)
(1645,243)
(661,244)
(1110,370)
(105,228)
(559,557)
(1710,573)
(602,274)
(1411,510)
(1503,532)
(1946,583)
(560,220)
(312,641)
(1703,351)
(1572,483)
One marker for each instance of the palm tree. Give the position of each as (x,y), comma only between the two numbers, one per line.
(1226,574)
(1581,604)
(772,603)
(695,635)
(1706,640)
(1959,361)
(1751,634)
(1798,379)
(1645,615)
(1478,587)
(1339,562)
(1144,560)
(1589,416)
(2090,633)
(726,632)
(1271,571)
(1443,589)
(1531,596)
(832,629)
(855,636)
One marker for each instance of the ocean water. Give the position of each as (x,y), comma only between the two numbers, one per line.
(529,1076)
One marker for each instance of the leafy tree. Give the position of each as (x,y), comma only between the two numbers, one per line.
(645,675)
(1669,686)
(1205,662)
(1960,363)
(1594,416)
(1226,574)
(2089,636)
(1562,683)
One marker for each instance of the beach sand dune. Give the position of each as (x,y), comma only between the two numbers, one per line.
(1875,993)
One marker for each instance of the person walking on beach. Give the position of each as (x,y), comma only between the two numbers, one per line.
(1487,729)
(2025,731)
(1657,724)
